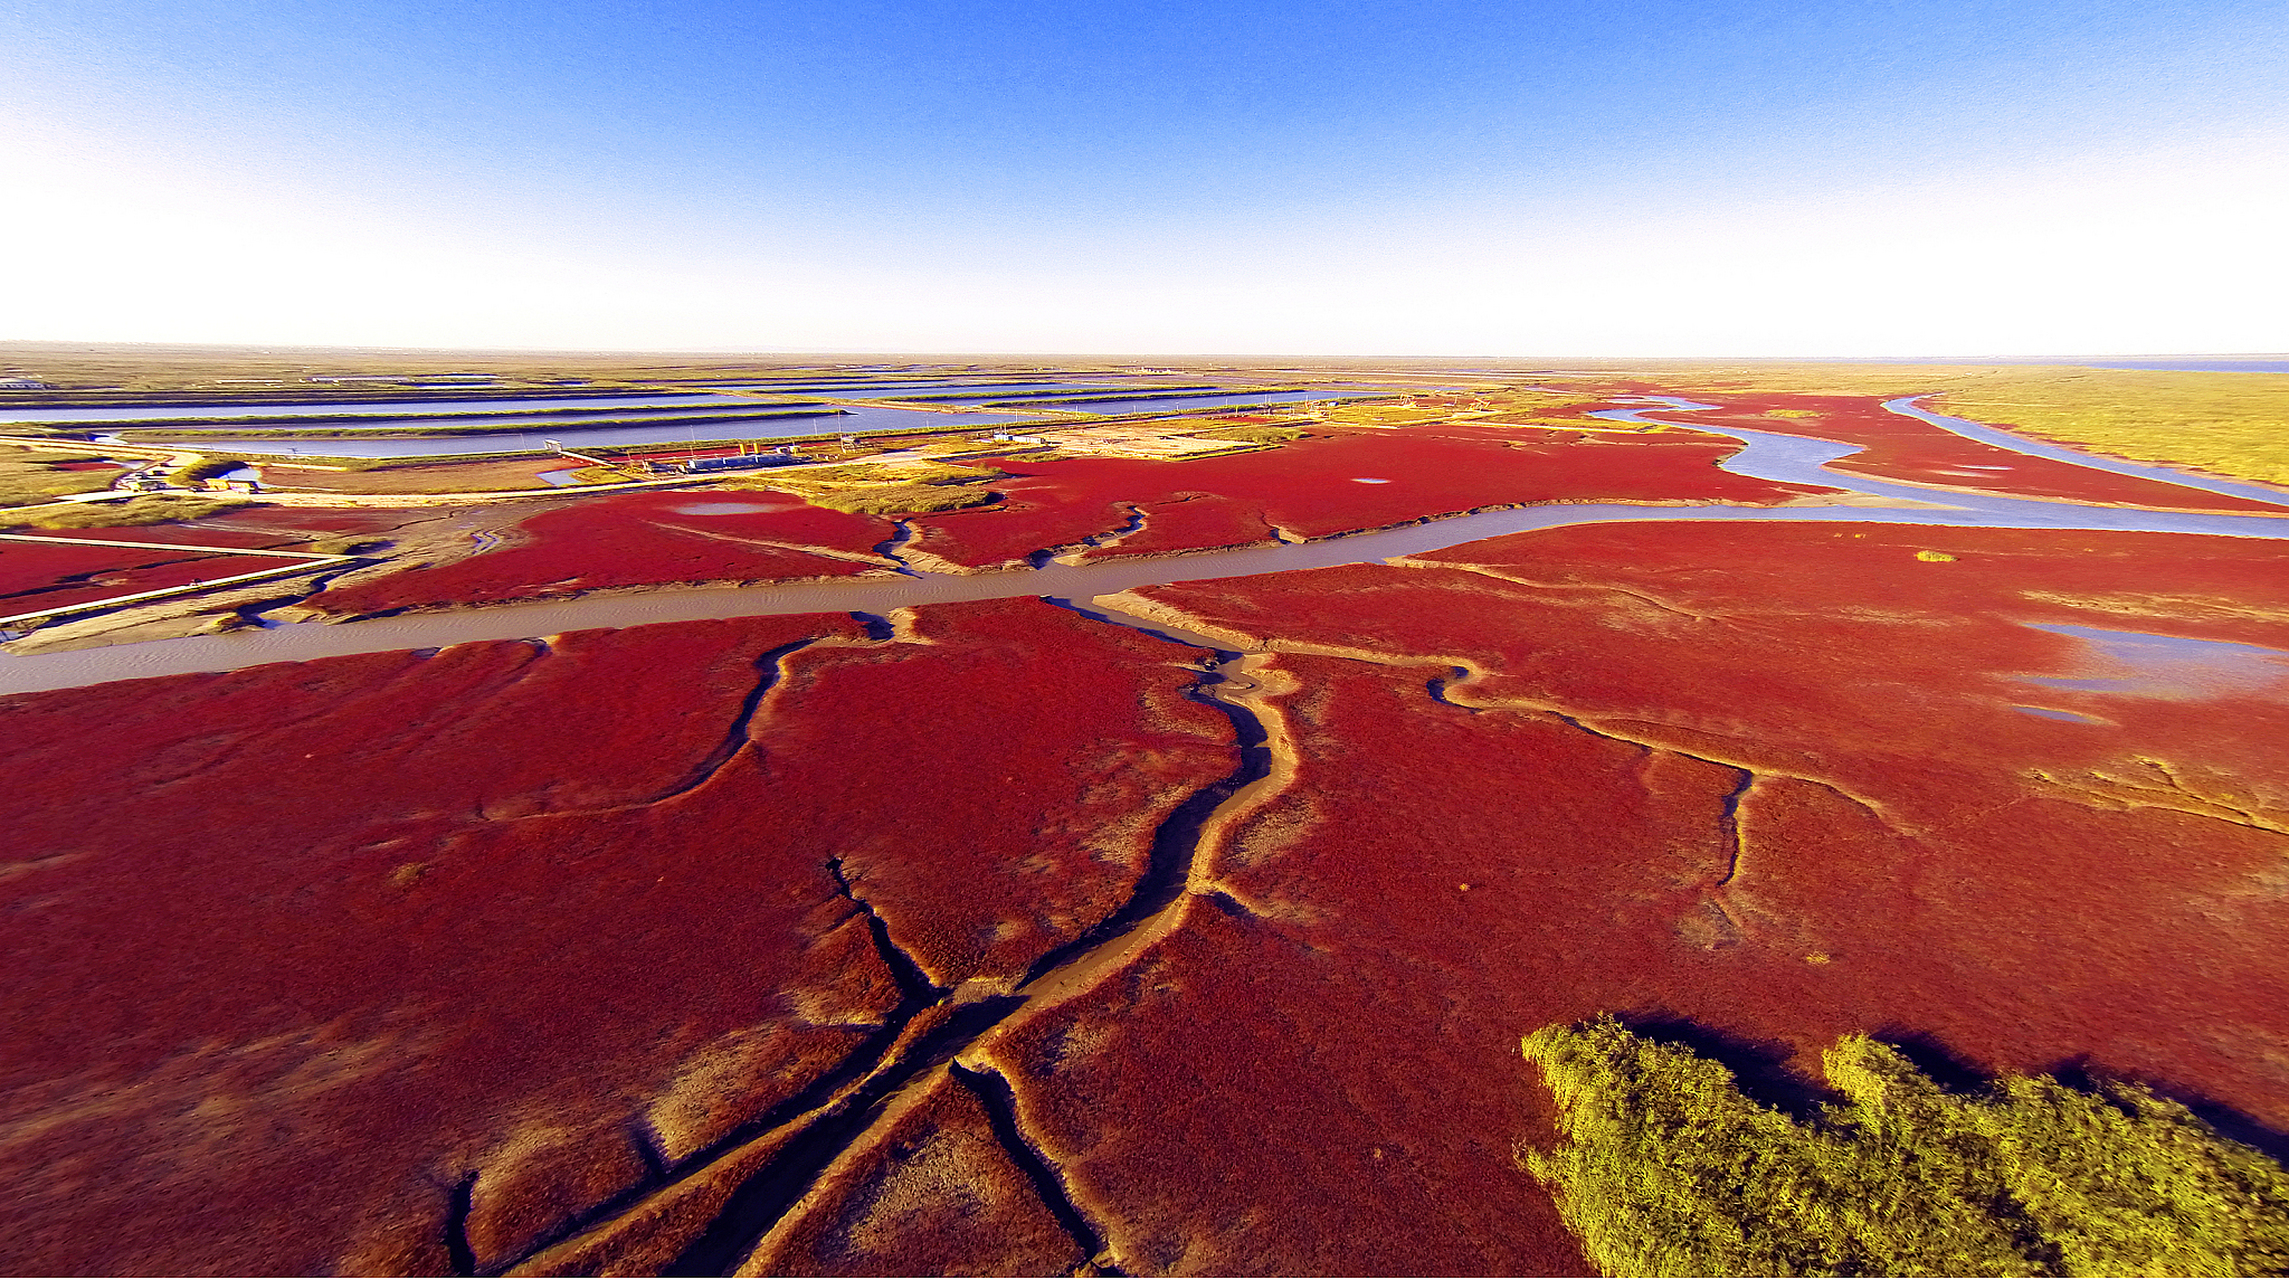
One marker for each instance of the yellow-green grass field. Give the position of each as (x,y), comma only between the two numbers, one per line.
(906,488)
(1665,1167)
(149,508)
(1254,434)
(30,476)
(2232,424)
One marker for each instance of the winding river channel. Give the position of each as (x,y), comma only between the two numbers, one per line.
(1765,455)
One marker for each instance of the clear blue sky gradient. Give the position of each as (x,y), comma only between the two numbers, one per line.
(904,132)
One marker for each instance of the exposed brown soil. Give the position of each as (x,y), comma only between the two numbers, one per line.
(429,477)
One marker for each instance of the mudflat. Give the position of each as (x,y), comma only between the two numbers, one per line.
(1192,927)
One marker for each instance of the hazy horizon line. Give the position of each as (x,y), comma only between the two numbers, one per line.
(61,345)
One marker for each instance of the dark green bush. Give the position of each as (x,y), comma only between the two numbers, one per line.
(1667,1168)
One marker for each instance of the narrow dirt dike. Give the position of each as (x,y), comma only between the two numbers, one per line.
(831,553)
(763,1200)
(932,1026)
(73,581)
(1571,722)
(1486,571)
(837,1107)
(993,1092)
(1176,843)
(1445,690)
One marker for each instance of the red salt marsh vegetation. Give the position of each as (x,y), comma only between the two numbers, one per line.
(1339,480)
(1771,780)
(1904,448)
(261,525)
(80,566)
(404,963)
(937,1194)
(41,575)
(630,539)
(814,945)
(183,533)
(298,521)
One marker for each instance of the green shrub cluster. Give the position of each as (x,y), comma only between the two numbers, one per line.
(347,546)
(904,473)
(904,499)
(28,477)
(1254,435)
(1667,1168)
(194,474)
(870,489)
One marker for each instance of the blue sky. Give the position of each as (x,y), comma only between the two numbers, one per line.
(1468,179)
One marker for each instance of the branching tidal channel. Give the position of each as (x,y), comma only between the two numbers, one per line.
(927,1035)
